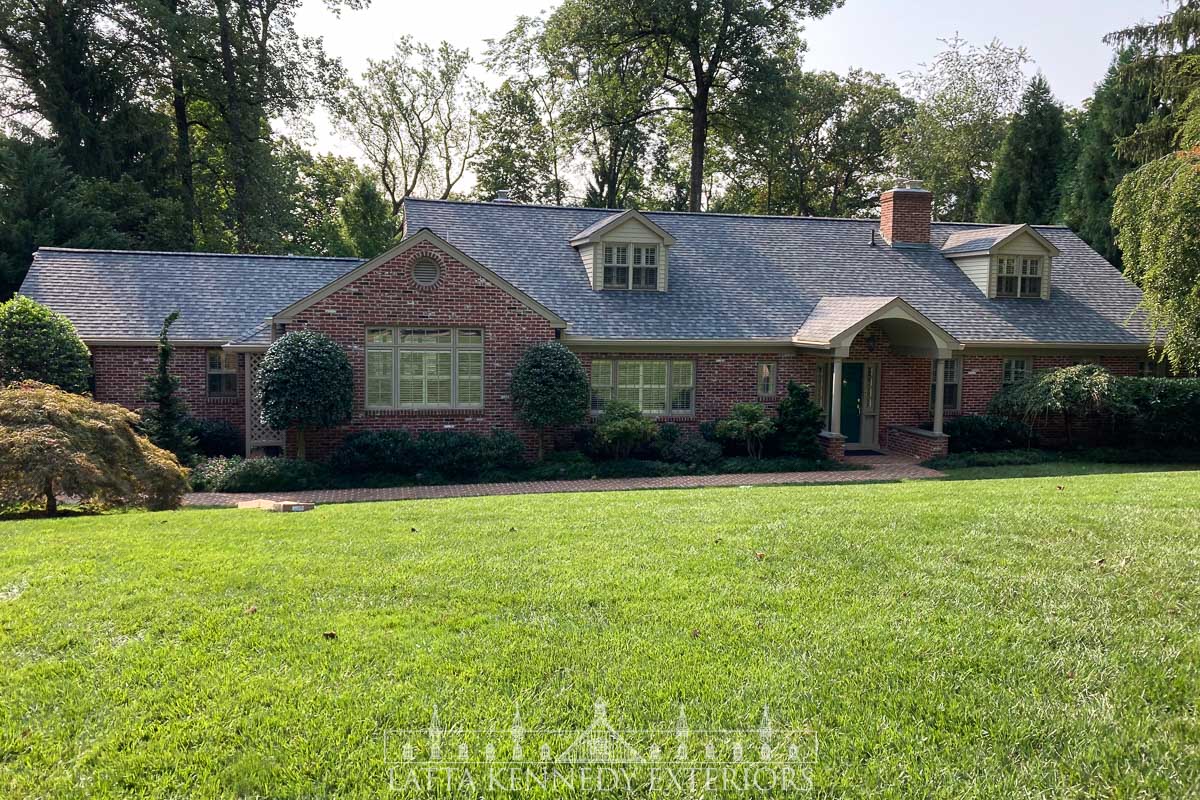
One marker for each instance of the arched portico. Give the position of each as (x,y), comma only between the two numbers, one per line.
(836,322)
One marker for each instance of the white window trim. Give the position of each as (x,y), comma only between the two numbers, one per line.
(224,370)
(1025,372)
(958,374)
(603,249)
(454,347)
(773,366)
(670,387)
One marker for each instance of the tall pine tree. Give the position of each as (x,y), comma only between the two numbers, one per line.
(1117,108)
(1024,186)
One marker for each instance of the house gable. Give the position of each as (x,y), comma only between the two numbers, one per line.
(628,228)
(980,253)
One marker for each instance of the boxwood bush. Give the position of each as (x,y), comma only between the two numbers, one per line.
(987,433)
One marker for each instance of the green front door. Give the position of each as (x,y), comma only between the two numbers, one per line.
(852,392)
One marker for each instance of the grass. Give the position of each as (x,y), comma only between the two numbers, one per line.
(1000,638)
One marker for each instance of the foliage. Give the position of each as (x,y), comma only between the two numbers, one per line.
(799,421)
(1115,111)
(1160,412)
(986,433)
(209,473)
(304,381)
(814,144)
(994,458)
(367,222)
(749,425)
(1069,393)
(622,428)
(432,455)
(266,475)
(1025,182)
(518,152)
(166,421)
(414,118)
(964,98)
(38,344)
(216,437)
(549,389)
(676,447)
(55,443)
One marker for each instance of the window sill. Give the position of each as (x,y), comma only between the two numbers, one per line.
(228,398)
(442,411)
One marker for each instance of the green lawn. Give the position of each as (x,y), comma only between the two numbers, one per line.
(992,638)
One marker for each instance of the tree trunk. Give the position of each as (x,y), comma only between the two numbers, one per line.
(699,146)
(300,450)
(51,499)
(183,127)
(541,444)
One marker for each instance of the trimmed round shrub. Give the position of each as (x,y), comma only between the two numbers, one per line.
(304,381)
(549,389)
(622,428)
(987,433)
(39,345)
(376,451)
(53,442)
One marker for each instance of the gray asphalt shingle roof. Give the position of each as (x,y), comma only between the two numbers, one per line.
(832,315)
(739,277)
(121,294)
(971,240)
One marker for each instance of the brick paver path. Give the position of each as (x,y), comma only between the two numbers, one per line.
(882,468)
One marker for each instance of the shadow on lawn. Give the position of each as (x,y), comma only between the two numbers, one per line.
(1066,469)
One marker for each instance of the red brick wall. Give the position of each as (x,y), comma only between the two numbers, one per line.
(121,377)
(388,297)
(905,215)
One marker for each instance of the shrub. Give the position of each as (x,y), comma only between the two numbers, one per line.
(37,344)
(304,381)
(503,450)
(799,422)
(987,433)
(749,425)
(621,428)
(1162,411)
(676,448)
(451,454)
(53,442)
(216,437)
(376,451)
(166,422)
(1000,458)
(272,475)
(549,389)
(1069,393)
(210,473)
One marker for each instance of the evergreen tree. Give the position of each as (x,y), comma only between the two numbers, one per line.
(1114,113)
(166,420)
(367,219)
(1024,186)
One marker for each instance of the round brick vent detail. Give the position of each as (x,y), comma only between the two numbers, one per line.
(426,271)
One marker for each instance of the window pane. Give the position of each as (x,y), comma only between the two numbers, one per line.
(379,335)
(412,378)
(214,360)
(654,386)
(637,256)
(380,365)
(1031,287)
(608,254)
(951,395)
(651,256)
(437,371)
(470,336)
(435,337)
(766,379)
(629,380)
(682,374)
(470,379)
(602,376)
(622,276)
(622,254)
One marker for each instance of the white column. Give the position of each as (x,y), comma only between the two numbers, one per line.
(835,398)
(939,393)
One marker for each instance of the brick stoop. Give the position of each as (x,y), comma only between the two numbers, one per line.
(881,468)
(919,443)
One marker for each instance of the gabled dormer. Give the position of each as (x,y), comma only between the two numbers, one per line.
(625,251)
(1006,261)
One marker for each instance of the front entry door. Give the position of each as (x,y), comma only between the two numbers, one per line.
(852,396)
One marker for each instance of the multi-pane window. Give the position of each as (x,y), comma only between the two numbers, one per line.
(766,378)
(424,368)
(653,387)
(630,266)
(1018,277)
(953,390)
(222,373)
(1015,370)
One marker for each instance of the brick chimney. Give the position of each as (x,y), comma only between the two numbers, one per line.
(905,213)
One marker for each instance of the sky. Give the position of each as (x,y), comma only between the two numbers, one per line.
(1063,37)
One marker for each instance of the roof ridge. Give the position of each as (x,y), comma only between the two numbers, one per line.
(196,253)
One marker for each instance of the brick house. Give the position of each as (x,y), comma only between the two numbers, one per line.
(897,322)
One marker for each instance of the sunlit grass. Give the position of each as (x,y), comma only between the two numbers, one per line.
(1000,638)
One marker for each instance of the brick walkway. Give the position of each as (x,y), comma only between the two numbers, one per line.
(882,468)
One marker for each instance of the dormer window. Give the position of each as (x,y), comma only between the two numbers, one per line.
(630,266)
(1025,282)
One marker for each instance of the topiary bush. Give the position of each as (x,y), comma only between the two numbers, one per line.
(39,345)
(987,433)
(304,381)
(54,442)
(798,422)
(622,428)
(747,425)
(549,389)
